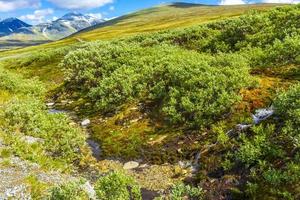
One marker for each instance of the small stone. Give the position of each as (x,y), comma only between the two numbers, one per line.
(131,165)
(64,102)
(184,164)
(144,166)
(86,122)
(179,150)
(134,121)
(50,104)
(241,127)
(134,108)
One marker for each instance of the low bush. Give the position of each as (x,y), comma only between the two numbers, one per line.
(58,142)
(118,186)
(15,84)
(191,88)
(271,151)
(69,191)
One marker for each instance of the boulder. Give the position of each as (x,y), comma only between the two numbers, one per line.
(86,122)
(131,165)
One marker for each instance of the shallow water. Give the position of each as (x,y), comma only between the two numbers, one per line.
(95,147)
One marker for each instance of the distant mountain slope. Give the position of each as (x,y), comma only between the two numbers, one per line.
(166,16)
(14,32)
(12,25)
(66,25)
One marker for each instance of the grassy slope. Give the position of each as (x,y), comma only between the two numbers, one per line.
(165,17)
(149,20)
(153,19)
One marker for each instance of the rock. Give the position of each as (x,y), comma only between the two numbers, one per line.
(86,122)
(50,104)
(131,165)
(241,127)
(64,102)
(17,192)
(54,111)
(134,108)
(184,164)
(179,150)
(144,166)
(89,189)
(262,114)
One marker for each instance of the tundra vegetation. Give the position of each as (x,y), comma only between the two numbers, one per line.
(166,97)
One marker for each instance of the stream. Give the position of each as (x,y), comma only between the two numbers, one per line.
(259,116)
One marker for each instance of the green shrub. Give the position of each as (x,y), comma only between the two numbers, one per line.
(15,84)
(287,106)
(69,191)
(29,117)
(191,88)
(270,152)
(182,191)
(118,186)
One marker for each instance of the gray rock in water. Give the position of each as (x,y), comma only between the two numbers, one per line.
(86,122)
(262,114)
(131,165)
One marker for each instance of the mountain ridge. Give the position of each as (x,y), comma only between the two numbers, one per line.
(11,25)
(14,29)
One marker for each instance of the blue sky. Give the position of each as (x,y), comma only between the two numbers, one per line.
(37,11)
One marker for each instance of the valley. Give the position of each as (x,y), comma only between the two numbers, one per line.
(201,104)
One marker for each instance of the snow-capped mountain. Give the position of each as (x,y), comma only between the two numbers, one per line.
(12,25)
(67,25)
(70,23)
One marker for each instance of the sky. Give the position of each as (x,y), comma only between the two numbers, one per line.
(39,11)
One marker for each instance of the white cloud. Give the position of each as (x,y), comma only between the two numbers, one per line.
(96,15)
(10,5)
(38,16)
(80,4)
(232,2)
(282,1)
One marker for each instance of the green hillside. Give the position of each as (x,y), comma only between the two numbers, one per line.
(165,17)
(207,110)
(153,19)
